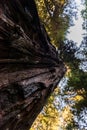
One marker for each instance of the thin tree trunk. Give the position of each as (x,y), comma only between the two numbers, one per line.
(30,68)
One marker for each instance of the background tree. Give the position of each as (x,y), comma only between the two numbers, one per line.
(56,15)
(71,97)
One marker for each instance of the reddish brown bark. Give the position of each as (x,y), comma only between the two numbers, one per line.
(30,67)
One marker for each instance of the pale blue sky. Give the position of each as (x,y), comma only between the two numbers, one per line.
(76,31)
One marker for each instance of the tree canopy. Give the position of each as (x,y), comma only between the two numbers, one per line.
(70,100)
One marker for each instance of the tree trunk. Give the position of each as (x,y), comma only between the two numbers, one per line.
(30,68)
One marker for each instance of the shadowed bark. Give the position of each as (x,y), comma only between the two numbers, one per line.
(30,68)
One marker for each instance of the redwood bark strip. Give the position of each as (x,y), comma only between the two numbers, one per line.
(30,68)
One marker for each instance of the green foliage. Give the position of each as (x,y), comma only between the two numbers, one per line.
(48,118)
(55,116)
(84,15)
(55,21)
(84,11)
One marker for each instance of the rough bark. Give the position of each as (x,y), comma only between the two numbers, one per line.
(30,68)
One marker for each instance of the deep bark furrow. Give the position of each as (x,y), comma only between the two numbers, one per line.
(30,68)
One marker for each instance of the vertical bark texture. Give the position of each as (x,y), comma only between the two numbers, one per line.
(29,65)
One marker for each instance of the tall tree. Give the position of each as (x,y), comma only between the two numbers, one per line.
(30,68)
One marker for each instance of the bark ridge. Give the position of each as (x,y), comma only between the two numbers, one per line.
(30,67)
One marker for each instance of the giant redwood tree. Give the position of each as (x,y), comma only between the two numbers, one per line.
(30,68)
